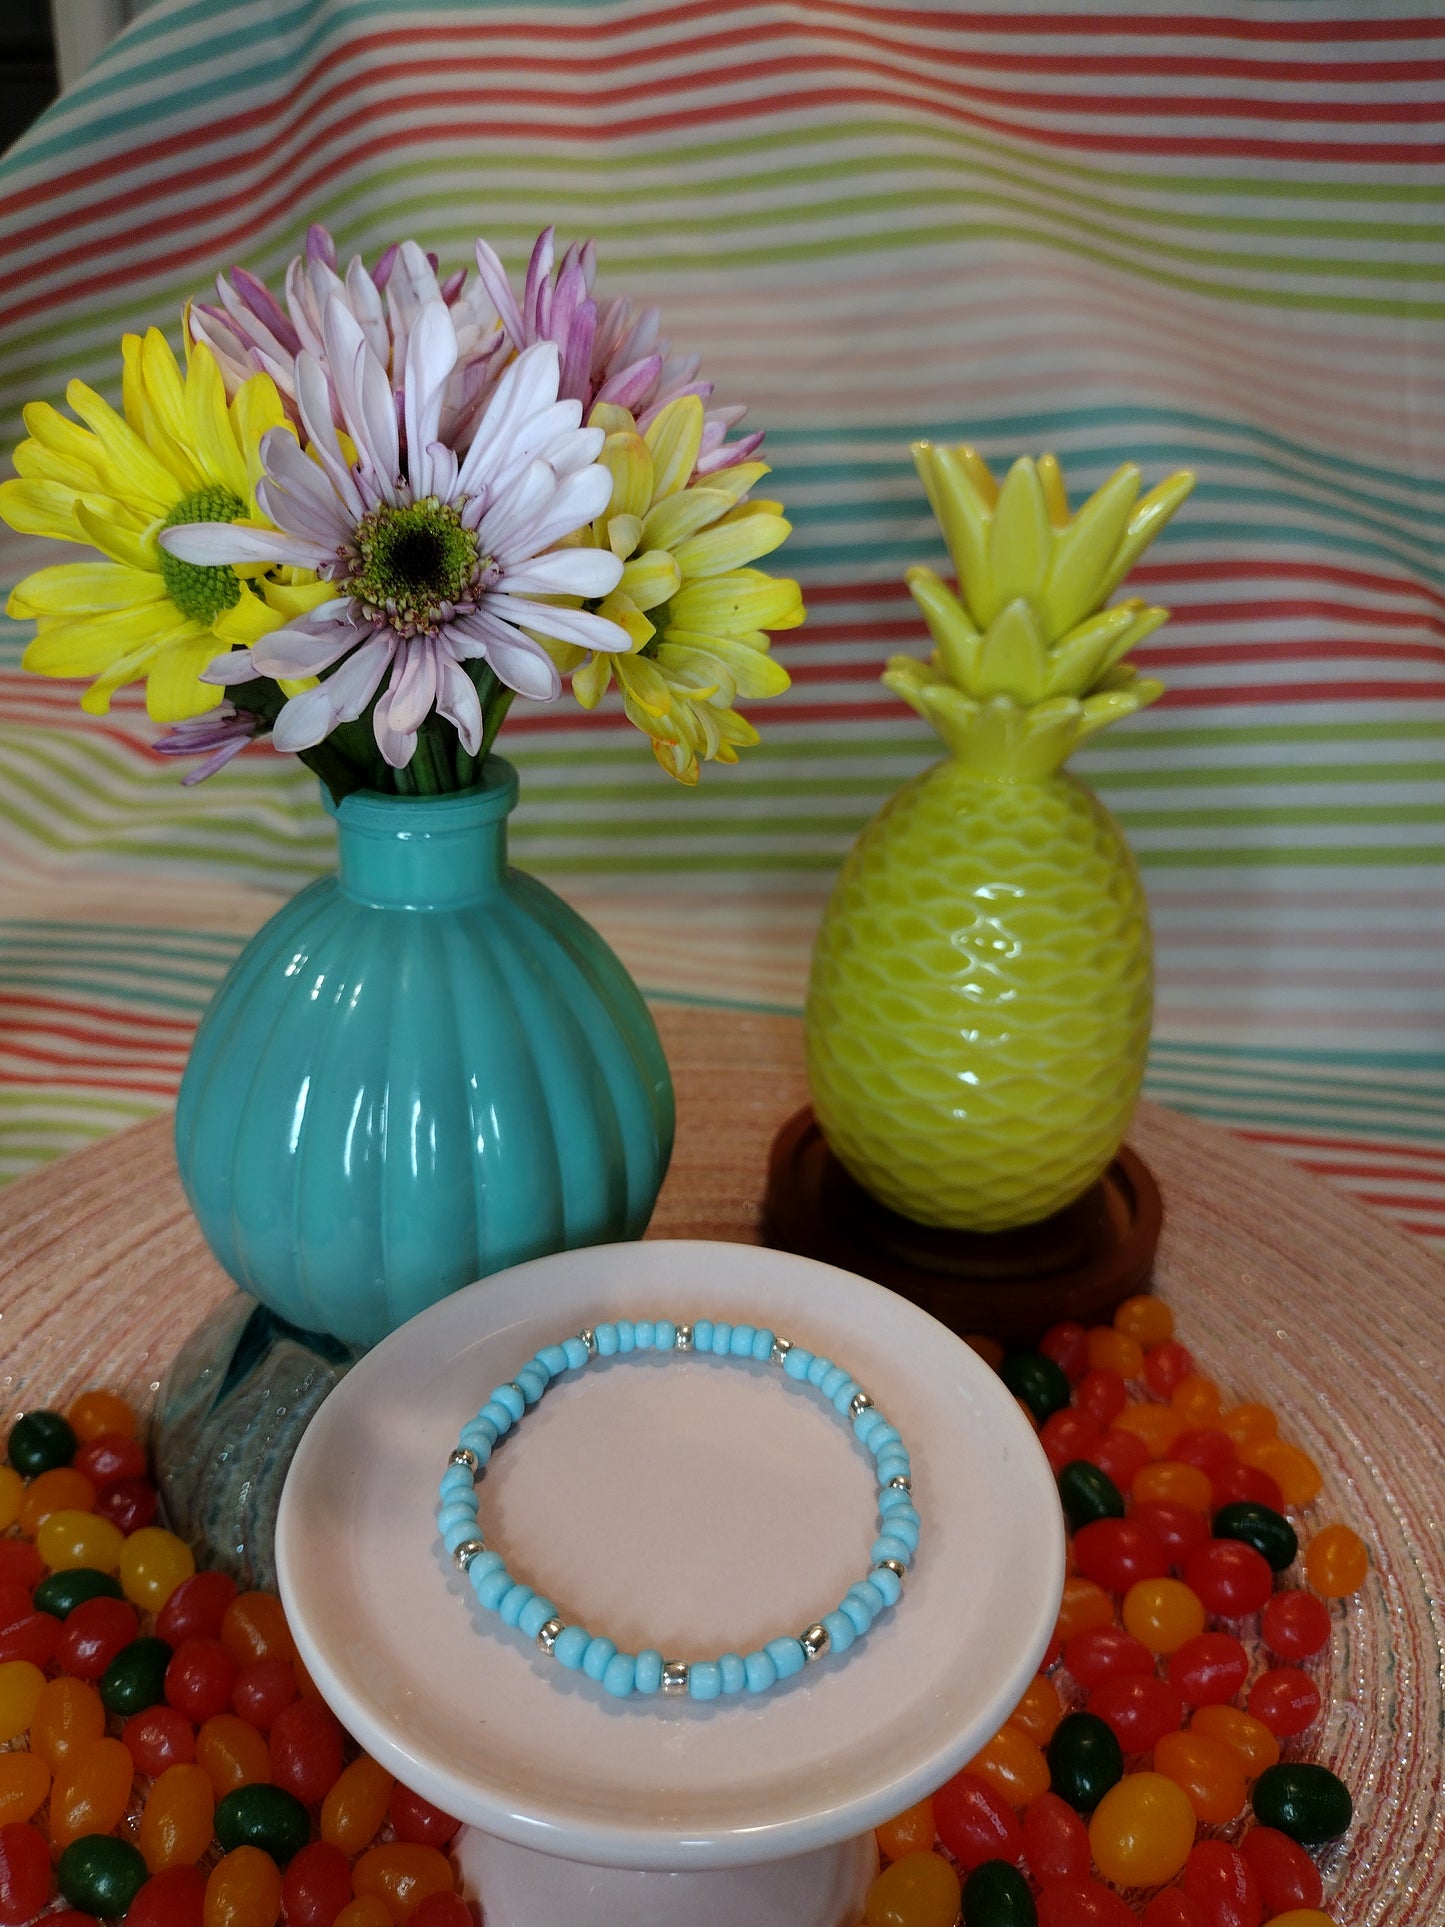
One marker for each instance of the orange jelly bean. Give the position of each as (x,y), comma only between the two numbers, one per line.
(1145,1318)
(1336,1562)
(12,1492)
(1142,1830)
(233,1754)
(153,1562)
(352,1812)
(366,1912)
(1012,1765)
(21,1685)
(62,1489)
(921,1890)
(1083,1605)
(1248,1739)
(1247,1424)
(68,1715)
(244,1890)
(1209,1774)
(180,1810)
(401,1876)
(255,1628)
(1110,1350)
(911,1831)
(71,1538)
(1196,1399)
(1293,1471)
(1162,1614)
(1039,1711)
(24,1786)
(1173,1483)
(1157,1425)
(90,1792)
(96,1414)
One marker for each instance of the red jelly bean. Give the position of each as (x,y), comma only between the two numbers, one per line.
(1139,1711)
(20,1564)
(1229,1577)
(1172,1907)
(158,1737)
(1245,1485)
(15,1601)
(109,1457)
(418,1821)
(1178,1528)
(1102,1394)
(1208,1449)
(1067,1344)
(1122,1455)
(199,1679)
(1295,1624)
(316,1886)
(306,1750)
(1068,1435)
(129,1504)
(1116,1552)
(262,1689)
(1285,1700)
(196,1608)
(1221,1883)
(1106,1652)
(1209,1669)
(1283,1871)
(442,1910)
(1165,1366)
(32,1636)
(1082,1903)
(1056,1841)
(976,1823)
(173,1898)
(24,1873)
(93,1634)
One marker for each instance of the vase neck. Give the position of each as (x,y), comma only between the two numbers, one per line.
(426,852)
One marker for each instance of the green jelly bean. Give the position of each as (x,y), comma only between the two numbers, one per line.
(100,1874)
(136,1677)
(39,1442)
(1087,1494)
(62,1592)
(1037,1380)
(266,1817)
(1259,1526)
(1307,1802)
(997,1895)
(1084,1760)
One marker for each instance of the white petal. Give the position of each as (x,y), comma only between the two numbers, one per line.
(364,299)
(522,664)
(302,650)
(310,488)
(315,400)
(212,543)
(397,746)
(527,386)
(233,668)
(413,687)
(584,572)
(577,500)
(494,279)
(588,631)
(516,509)
(431,355)
(457,700)
(309,717)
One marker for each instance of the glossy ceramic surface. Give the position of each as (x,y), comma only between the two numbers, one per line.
(700,1505)
(421,1070)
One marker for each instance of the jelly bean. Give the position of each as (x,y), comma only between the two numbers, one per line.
(1248,1423)
(62,1592)
(1166,1366)
(1162,1613)
(1039,1711)
(402,1874)
(1284,1873)
(1209,1669)
(39,1442)
(921,1890)
(1142,1831)
(1304,1917)
(20,1563)
(1086,1493)
(199,1678)
(61,1490)
(1084,1759)
(263,1816)
(1083,1605)
(1231,1578)
(1155,1426)
(233,1754)
(316,1886)
(1114,1553)
(997,1895)
(1120,1456)
(1336,1562)
(175,1827)
(175,1898)
(1261,1527)
(109,1456)
(1138,1710)
(1082,1903)
(1206,1448)
(1285,1700)
(21,1684)
(73,1538)
(1102,1394)
(1036,1380)
(975,1822)
(442,1910)
(254,1627)
(911,1831)
(101,1875)
(24,1874)
(1171,1907)
(1173,1483)
(1145,1318)
(1222,1885)
(1246,1485)
(307,1750)
(136,1677)
(68,1715)
(16,1603)
(1012,1765)
(1294,1471)
(366,1912)
(262,1689)
(1068,1435)
(244,1890)
(28,1636)
(352,1812)
(1248,1739)
(131,1504)
(1178,1528)
(157,1738)
(1056,1841)
(98,1412)
(419,1822)
(1106,1652)
(24,1786)
(1112,1350)
(1295,1625)
(152,1564)
(1207,1771)
(90,1791)
(12,1491)
(1068,1345)
(196,1609)
(1196,1399)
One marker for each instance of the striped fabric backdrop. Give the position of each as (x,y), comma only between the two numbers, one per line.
(1210,237)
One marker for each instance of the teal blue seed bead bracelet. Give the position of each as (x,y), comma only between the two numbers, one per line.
(573,1646)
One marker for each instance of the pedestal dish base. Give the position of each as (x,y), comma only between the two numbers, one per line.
(1007,1285)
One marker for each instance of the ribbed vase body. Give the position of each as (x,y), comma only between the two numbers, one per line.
(420,1071)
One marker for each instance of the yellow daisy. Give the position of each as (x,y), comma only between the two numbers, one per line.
(698,616)
(179,453)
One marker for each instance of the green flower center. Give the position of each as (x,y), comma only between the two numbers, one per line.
(198,589)
(414,565)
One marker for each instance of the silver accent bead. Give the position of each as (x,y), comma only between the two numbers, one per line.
(466,1552)
(463,1455)
(682,1340)
(859,1404)
(900,1482)
(781,1348)
(547,1638)
(893,1566)
(674,1676)
(589,1339)
(814,1642)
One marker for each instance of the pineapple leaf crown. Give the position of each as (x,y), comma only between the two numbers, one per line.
(1027,659)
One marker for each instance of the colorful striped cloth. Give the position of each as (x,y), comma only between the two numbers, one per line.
(1209,237)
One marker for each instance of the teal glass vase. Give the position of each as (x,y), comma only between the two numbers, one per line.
(423,1069)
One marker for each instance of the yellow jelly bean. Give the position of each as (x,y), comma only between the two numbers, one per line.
(69,1539)
(61,1489)
(24,1786)
(12,1491)
(401,1875)
(175,1828)
(1302,1917)
(21,1685)
(1146,1318)
(1141,1831)
(920,1890)
(91,1792)
(68,1715)
(366,1912)
(908,1832)
(243,1890)
(152,1564)
(352,1812)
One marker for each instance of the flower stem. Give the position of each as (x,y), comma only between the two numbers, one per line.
(431,770)
(495,716)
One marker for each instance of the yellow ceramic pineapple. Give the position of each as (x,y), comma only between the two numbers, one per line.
(979,1007)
